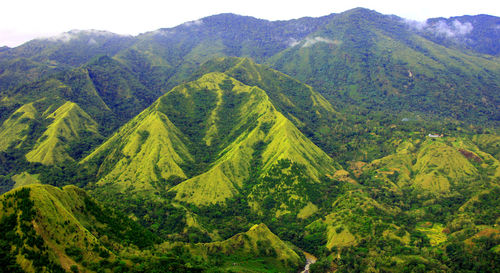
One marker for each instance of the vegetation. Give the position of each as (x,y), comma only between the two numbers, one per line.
(159,153)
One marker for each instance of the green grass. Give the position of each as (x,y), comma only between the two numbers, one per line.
(67,124)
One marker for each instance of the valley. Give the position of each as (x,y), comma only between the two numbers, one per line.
(352,142)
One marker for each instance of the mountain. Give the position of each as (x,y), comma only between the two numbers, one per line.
(360,60)
(363,58)
(72,48)
(47,229)
(478,33)
(232,143)
(224,127)
(256,250)
(440,165)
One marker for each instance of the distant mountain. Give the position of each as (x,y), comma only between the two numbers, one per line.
(232,143)
(479,33)
(71,48)
(358,59)
(363,58)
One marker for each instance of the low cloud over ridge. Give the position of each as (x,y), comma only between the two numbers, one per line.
(442,28)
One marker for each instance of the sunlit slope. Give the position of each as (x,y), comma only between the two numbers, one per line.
(254,120)
(69,123)
(353,216)
(436,165)
(15,129)
(256,243)
(296,100)
(61,227)
(205,131)
(146,150)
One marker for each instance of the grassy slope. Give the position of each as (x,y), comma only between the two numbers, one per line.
(353,216)
(12,131)
(221,116)
(68,228)
(57,224)
(232,166)
(69,122)
(147,149)
(24,179)
(436,165)
(256,250)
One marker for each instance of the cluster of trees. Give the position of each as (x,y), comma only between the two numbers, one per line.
(19,213)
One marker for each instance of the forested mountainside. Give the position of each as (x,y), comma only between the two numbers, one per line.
(235,144)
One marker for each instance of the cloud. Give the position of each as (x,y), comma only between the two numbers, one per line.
(442,28)
(455,29)
(193,23)
(92,42)
(418,25)
(163,32)
(311,41)
(77,33)
(292,42)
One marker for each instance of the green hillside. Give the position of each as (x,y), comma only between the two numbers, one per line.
(256,250)
(218,133)
(364,58)
(16,128)
(69,123)
(47,229)
(364,142)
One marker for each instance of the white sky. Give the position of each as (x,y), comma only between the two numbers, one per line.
(23,20)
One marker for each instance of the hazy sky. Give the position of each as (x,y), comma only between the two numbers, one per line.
(23,20)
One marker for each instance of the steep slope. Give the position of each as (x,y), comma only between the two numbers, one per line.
(365,58)
(306,108)
(147,150)
(48,229)
(478,33)
(212,141)
(16,128)
(280,138)
(439,165)
(243,250)
(70,49)
(70,123)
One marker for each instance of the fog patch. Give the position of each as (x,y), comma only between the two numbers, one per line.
(163,32)
(92,42)
(75,34)
(198,22)
(292,42)
(311,41)
(442,28)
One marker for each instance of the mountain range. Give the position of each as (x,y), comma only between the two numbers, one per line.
(235,144)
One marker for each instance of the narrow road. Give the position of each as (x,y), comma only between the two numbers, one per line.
(310,259)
